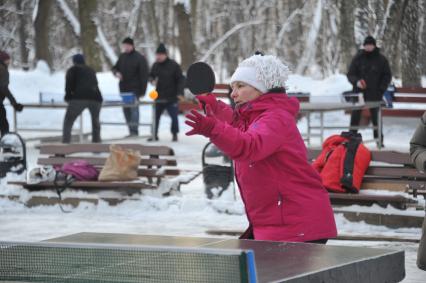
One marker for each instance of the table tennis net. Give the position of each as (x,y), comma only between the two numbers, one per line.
(51,262)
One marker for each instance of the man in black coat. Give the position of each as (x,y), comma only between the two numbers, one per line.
(5,92)
(167,75)
(132,71)
(370,74)
(81,92)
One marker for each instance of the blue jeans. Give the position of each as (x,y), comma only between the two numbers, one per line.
(172,109)
(131,114)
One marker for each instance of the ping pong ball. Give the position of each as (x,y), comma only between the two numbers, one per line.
(153,95)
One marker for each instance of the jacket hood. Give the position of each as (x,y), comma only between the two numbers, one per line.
(268,102)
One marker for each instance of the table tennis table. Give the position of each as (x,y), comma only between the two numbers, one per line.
(229,260)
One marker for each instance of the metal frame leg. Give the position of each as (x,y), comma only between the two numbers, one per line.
(15,121)
(80,130)
(380,125)
(321,127)
(153,121)
(308,117)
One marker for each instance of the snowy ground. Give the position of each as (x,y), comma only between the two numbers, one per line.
(190,213)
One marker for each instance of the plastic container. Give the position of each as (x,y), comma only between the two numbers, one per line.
(128,97)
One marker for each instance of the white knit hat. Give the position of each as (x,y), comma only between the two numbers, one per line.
(262,72)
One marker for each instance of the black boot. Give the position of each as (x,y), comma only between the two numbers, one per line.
(151,139)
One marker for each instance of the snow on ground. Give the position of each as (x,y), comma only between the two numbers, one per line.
(188,213)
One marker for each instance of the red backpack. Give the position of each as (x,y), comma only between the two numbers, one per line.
(343,162)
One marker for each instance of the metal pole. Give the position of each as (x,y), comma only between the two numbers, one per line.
(322,126)
(380,123)
(153,121)
(15,120)
(80,131)
(309,128)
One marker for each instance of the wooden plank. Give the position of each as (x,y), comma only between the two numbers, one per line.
(389,220)
(392,112)
(391,157)
(408,99)
(88,185)
(101,161)
(157,172)
(372,197)
(66,149)
(418,90)
(387,171)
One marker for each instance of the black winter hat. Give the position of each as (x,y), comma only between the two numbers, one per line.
(369,40)
(161,49)
(78,59)
(4,56)
(128,40)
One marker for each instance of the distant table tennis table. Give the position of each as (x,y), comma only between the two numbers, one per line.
(311,107)
(79,129)
(264,261)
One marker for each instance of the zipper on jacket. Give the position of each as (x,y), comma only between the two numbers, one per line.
(280,207)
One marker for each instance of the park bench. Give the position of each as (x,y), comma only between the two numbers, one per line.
(157,168)
(222,91)
(388,180)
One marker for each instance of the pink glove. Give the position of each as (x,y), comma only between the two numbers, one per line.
(201,125)
(209,99)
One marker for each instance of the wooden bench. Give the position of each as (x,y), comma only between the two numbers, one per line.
(223,90)
(389,171)
(157,165)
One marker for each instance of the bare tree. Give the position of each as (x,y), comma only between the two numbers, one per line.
(23,34)
(410,45)
(41,28)
(86,14)
(346,34)
(185,41)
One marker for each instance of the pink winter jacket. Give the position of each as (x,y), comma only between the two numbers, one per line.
(282,193)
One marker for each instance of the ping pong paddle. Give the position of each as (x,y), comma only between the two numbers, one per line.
(200,79)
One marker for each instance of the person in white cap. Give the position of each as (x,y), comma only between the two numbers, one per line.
(283,195)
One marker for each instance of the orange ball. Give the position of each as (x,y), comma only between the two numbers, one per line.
(153,95)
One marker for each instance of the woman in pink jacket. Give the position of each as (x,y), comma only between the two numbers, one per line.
(283,195)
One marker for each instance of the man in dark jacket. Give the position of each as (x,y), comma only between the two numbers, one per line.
(370,74)
(167,75)
(5,92)
(132,71)
(418,158)
(81,92)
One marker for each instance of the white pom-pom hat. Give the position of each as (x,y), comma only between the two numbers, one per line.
(262,72)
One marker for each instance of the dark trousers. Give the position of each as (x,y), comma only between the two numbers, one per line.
(172,109)
(75,109)
(374,113)
(4,125)
(131,114)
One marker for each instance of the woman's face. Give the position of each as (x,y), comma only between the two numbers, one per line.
(242,93)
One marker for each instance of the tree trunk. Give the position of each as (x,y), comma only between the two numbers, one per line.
(23,35)
(391,35)
(41,29)
(348,47)
(410,45)
(361,21)
(91,51)
(185,40)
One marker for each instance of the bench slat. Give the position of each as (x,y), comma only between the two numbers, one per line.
(65,149)
(101,161)
(86,184)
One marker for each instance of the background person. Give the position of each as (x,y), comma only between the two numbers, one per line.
(418,157)
(81,92)
(5,92)
(132,71)
(167,75)
(369,73)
